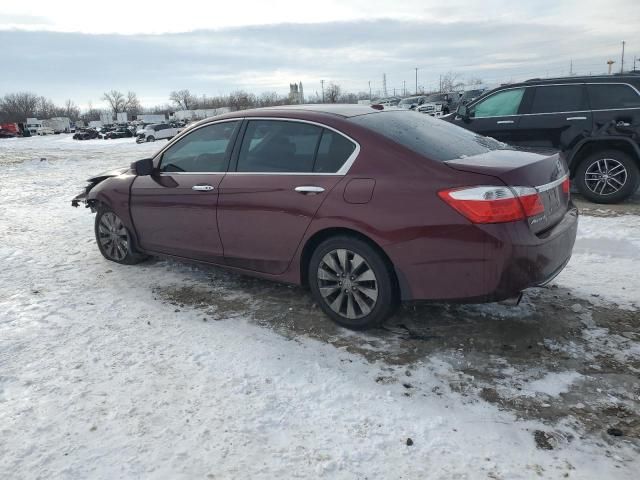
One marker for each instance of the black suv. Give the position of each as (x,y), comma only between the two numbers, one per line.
(595,121)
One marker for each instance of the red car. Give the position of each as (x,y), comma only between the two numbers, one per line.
(366,205)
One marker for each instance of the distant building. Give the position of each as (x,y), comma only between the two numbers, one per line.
(296,93)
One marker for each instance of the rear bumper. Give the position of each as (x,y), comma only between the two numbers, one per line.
(484,263)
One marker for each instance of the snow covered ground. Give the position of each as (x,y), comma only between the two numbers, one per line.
(104,376)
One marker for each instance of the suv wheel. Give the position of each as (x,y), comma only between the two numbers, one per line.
(607,176)
(151,138)
(352,283)
(114,240)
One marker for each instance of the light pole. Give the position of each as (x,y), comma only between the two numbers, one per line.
(322,86)
(404,88)
(369,90)
(416,80)
(622,59)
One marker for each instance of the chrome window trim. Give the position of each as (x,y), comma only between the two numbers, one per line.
(562,113)
(346,166)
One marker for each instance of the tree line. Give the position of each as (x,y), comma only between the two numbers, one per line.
(16,107)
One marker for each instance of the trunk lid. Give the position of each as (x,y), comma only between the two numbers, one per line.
(524,169)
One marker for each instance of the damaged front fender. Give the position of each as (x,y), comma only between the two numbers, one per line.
(83,197)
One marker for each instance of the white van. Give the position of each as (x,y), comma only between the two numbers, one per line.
(159,131)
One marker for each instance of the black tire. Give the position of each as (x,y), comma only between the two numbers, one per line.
(151,138)
(607,189)
(120,248)
(351,294)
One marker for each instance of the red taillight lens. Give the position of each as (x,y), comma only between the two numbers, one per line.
(566,186)
(490,204)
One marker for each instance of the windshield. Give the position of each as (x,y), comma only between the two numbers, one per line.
(428,136)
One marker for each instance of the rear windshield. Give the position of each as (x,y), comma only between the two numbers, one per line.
(435,139)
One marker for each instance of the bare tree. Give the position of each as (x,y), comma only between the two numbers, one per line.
(116,101)
(451,82)
(241,100)
(132,105)
(70,110)
(332,93)
(183,99)
(16,107)
(475,81)
(119,103)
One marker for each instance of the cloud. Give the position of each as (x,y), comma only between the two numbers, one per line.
(268,57)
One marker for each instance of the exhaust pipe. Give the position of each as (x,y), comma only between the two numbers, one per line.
(513,301)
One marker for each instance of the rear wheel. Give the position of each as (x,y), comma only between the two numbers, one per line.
(151,139)
(114,240)
(607,176)
(352,283)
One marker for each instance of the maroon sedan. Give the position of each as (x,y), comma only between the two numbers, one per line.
(367,206)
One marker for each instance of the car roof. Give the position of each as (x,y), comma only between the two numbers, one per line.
(344,110)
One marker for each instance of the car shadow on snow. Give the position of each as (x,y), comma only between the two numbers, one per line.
(554,357)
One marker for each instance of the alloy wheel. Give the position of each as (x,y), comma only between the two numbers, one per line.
(605,176)
(347,283)
(113,236)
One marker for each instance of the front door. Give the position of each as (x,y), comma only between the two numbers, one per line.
(284,171)
(497,116)
(174,210)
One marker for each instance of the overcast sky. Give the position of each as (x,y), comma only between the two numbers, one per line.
(78,50)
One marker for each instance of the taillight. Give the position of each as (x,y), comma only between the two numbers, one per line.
(566,185)
(491,204)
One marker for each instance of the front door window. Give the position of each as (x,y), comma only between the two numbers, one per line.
(500,104)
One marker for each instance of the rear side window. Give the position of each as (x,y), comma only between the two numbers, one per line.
(559,98)
(499,104)
(428,136)
(278,146)
(333,152)
(203,150)
(608,96)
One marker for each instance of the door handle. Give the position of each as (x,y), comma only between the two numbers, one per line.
(309,190)
(500,122)
(576,118)
(203,188)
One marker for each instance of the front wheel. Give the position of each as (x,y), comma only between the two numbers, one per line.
(151,139)
(608,176)
(114,240)
(352,282)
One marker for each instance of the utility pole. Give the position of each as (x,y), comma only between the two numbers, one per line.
(634,63)
(369,90)
(322,83)
(571,68)
(416,80)
(622,60)
(404,88)
(440,84)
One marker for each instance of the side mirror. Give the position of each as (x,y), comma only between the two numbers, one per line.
(462,112)
(142,167)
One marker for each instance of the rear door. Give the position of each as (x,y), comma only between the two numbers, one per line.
(497,116)
(284,169)
(558,117)
(174,210)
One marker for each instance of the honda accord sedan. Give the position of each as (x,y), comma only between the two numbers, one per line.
(368,206)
